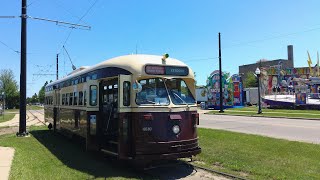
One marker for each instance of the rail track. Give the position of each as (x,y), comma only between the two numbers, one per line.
(217,172)
(188,167)
(36,117)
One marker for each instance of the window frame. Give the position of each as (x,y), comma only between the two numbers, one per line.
(126,93)
(90,95)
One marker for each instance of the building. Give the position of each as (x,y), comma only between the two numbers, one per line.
(250,68)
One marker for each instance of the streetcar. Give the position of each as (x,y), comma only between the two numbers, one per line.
(134,107)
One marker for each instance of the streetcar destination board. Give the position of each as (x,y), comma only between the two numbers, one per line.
(166,70)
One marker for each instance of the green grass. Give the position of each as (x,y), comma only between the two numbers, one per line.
(33,107)
(12,111)
(258,157)
(287,113)
(45,155)
(6,117)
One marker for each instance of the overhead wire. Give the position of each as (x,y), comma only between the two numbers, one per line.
(69,34)
(271,38)
(10,47)
(32,3)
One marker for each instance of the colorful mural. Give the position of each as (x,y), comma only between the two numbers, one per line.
(275,80)
(232,90)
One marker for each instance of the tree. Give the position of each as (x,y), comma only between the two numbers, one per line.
(251,80)
(41,93)
(28,100)
(34,98)
(9,86)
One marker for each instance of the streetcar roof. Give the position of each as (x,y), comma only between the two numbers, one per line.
(133,63)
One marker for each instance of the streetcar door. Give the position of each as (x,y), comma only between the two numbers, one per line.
(91,101)
(109,114)
(56,110)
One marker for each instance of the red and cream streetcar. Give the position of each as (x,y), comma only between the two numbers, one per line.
(134,107)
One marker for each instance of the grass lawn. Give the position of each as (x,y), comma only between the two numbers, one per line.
(45,155)
(33,107)
(252,111)
(12,111)
(6,117)
(257,157)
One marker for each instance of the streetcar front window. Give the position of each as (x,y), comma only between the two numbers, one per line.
(179,92)
(153,92)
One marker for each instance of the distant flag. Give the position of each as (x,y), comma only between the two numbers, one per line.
(309,62)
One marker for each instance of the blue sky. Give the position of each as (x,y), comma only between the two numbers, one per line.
(187,30)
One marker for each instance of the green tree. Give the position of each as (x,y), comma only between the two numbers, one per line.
(9,86)
(28,100)
(250,80)
(34,98)
(41,93)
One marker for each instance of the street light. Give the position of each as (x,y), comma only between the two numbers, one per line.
(259,98)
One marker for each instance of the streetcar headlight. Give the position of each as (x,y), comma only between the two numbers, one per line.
(176,129)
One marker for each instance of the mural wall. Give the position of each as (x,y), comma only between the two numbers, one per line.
(231,87)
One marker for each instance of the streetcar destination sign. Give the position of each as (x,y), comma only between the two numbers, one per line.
(167,70)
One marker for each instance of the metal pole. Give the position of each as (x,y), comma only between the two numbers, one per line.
(220,76)
(23,70)
(3,105)
(57,66)
(259,98)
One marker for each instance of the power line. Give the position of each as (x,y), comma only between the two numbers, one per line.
(10,47)
(9,16)
(66,10)
(88,10)
(73,25)
(32,3)
(271,38)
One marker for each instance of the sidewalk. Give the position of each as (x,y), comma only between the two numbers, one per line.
(6,157)
(7,153)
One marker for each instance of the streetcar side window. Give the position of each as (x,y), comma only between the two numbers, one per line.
(63,96)
(70,99)
(67,99)
(75,100)
(94,76)
(126,93)
(93,95)
(80,98)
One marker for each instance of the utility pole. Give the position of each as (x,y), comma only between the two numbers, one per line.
(23,71)
(57,66)
(23,64)
(220,78)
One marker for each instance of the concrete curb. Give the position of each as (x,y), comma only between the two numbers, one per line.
(6,157)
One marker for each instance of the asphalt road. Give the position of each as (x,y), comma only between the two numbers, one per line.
(290,129)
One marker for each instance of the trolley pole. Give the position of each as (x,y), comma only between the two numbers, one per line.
(57,66)
(220,78)
(23,70)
